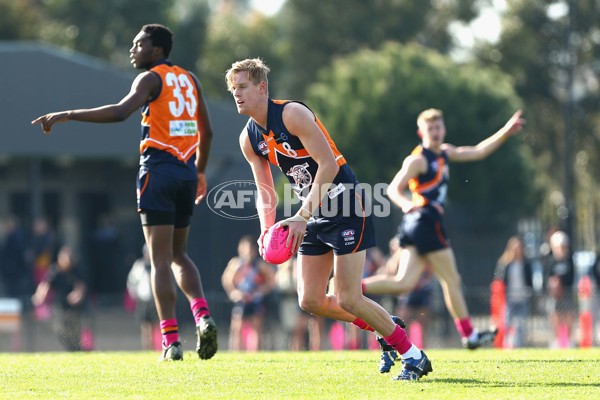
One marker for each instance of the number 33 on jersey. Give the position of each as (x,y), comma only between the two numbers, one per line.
(169,121)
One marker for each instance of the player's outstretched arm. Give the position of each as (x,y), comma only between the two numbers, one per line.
(487,146)
(142,88)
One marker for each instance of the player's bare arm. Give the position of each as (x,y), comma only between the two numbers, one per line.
(143,87)
(227,280)
(205,141)
(300,121)
(412,167)
(261,171)
(487,146)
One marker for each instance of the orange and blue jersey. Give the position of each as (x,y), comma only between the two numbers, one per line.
(283,149)
(170,124)
(430,187)
(352,232)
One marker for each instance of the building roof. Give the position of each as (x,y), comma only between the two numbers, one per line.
(38,78)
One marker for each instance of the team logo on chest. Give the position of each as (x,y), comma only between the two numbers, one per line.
(282,138)
(301,176)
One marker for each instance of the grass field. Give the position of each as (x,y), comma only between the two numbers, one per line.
(458,374)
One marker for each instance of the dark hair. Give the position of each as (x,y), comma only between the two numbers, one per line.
(160,36)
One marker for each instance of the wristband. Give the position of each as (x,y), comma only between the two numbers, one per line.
(298,218)
(304,209)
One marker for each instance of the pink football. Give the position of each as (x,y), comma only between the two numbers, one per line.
(274,250)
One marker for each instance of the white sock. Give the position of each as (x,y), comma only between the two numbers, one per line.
(413,352)
(473,336)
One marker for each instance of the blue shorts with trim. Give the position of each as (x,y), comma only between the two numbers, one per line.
(156,192)
(350,230)
(423,228)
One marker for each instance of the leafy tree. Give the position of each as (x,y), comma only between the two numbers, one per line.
(100,28)
(321,30)
(370,101)
(540,48)
(18,20)
(190,27)
(234,36)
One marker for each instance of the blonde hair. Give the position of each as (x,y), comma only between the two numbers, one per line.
(431,114)
(256,68)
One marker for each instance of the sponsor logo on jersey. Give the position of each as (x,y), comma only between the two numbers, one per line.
(336,190)
(182,128)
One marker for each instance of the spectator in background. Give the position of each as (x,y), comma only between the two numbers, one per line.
(66,284)
(296,321)
(247,279)
(108,269)
(594,271)
(14,271)
(517,274)
(139,286)
(561,276)
(42,249)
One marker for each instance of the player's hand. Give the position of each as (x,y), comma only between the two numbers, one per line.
(201,190)
(515,123)
(297,228)
(260,242)
(75,297)
(48,120)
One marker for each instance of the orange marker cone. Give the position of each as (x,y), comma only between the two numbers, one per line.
(585,312)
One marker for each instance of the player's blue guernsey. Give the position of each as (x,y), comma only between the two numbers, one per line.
(283,149)
(432,186)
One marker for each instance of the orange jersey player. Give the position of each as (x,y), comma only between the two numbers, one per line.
(174,149)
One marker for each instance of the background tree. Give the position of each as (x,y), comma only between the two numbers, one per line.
(543,45)
(370,101)
(19,20)
(318,31)
(190,20)
(100,28)
(234,35)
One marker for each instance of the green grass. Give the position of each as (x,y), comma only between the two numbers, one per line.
(458,374)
